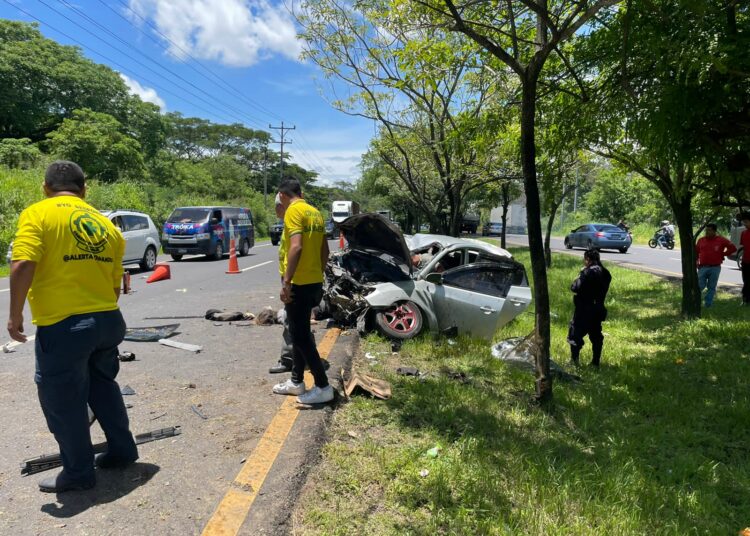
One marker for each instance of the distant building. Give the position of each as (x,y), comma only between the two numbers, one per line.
(516,221)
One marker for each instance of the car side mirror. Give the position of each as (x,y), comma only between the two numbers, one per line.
(434,278)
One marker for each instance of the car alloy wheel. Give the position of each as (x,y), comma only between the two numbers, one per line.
(401,321)
(149,259)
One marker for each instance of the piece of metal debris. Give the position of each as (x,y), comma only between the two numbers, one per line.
(373,386)
(126,356)
(198,412)
(127,390)
(150,333)
(50,461)
(181,345)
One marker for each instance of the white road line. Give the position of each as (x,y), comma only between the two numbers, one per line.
(4,290)
(255,266)
(263,245)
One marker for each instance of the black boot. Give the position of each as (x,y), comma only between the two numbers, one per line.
(575,351)
(597,357)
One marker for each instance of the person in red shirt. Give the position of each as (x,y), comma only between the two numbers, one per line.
(711,251)
(745,244)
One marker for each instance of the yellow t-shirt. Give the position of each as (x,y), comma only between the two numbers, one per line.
(304,219)
(78,254)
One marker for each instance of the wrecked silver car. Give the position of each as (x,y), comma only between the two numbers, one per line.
(400,285)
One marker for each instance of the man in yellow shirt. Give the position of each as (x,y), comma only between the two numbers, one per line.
(67,258)
(306,252)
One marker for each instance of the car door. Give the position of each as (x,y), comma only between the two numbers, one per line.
(136,236)
(579,236)
(472,298)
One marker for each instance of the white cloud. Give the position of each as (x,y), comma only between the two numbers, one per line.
(331,165)
(147,94)
(238,33)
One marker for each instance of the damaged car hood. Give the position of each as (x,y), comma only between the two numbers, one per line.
(370,231)
(420,240)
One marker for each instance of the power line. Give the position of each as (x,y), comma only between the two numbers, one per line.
(237,93)
(227,107)
(110,60)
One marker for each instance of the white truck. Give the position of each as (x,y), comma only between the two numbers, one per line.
(340,210)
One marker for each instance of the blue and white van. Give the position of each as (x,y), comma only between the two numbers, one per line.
(206,231)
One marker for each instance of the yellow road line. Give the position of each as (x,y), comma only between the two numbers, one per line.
(234,507)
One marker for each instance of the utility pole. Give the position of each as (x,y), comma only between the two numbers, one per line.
(283,130)
(265,176)
(575,197)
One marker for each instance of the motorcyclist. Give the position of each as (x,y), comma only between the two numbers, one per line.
(664,234)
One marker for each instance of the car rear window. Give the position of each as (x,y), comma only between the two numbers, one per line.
(188,215)
(607,228)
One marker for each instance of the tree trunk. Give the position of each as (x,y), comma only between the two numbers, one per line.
(505,189)
(691,296)
(536,247)
(550,222)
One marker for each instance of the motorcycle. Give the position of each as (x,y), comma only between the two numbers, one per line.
(661,237)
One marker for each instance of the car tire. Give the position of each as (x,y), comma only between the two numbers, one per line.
(149,259)
(176,257)
(403,320)
(274,242)
(219,253)
(652,243)
(568,244)
(623,250)
(244,248)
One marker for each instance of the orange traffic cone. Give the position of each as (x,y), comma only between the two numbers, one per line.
(161,272)
(234,268)
(341,240)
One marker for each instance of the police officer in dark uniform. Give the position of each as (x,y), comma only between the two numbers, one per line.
(589,292)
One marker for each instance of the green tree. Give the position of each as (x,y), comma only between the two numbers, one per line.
(96,141)
(19,153)
(42,82)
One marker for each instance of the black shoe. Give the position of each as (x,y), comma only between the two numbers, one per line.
(105,461)
(278,368)
(60,483)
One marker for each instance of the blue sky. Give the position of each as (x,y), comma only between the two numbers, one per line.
(224,60)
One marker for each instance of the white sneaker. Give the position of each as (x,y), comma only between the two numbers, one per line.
(289,388)
(316,395)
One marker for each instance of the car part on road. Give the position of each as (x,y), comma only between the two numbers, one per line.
(45,462)
(126,356)
(373,386)
(151,333)
(198,412)
(181,345)
(227,316)
(267,317)
(520,352)
(400,321)
(126,390)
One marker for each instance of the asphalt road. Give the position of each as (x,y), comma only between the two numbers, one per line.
(658,261)
(178,482)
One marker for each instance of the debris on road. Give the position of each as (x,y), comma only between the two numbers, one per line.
(424,473)
(188,386)
(520,352)
(158,417)
(181,345)
(459,376)
(227,316)
(161,272)
(50,461)
(373,386)
(127,390)
(198,412)
(150,333)
(407,371)
(171,317)
(180,290)
(267,317)
(126,356)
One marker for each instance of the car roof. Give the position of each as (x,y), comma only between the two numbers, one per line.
(109,213)
(420,240)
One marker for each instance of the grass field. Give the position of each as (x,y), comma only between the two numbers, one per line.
(656,442)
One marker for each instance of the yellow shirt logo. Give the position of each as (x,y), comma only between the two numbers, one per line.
(90,234)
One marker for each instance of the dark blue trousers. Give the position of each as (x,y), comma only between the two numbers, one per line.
(76,365)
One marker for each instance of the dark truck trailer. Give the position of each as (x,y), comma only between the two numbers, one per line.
(470,223)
